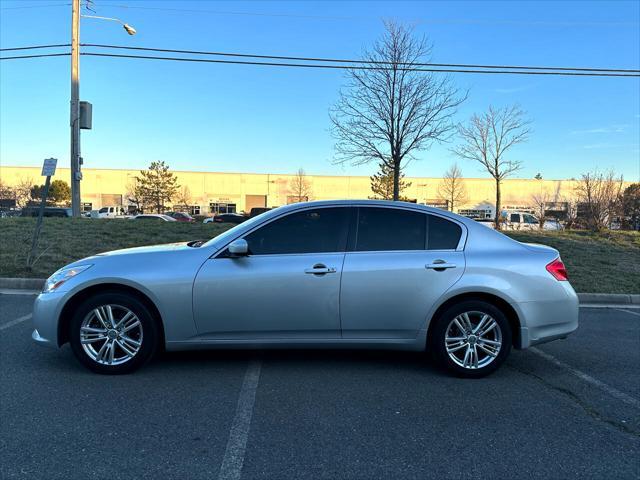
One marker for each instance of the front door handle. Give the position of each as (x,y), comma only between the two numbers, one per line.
(439,265)
(320,269)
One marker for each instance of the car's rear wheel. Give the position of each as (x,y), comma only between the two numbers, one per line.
(113,333)
(471,339)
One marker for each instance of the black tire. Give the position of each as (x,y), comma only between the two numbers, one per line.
(150,338)
(438,347)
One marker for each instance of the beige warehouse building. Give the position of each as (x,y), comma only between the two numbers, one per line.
(217,192)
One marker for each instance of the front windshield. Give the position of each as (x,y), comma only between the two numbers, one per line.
(233,232)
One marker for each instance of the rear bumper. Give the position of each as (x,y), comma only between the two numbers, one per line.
(546,321)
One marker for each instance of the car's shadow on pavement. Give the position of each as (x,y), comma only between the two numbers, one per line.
(311,359)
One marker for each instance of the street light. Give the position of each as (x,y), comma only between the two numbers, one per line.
(76,160)
(128,28)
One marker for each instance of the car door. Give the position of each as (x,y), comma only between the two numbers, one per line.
(288,286)
(398,264)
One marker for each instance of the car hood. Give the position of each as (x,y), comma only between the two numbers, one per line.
(168,247)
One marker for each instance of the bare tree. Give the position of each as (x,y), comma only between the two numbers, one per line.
(299,187)
(133,195)
(540,201)
(488,137)
(183,197)
(391,108)
(599,194)
(6,192)
(452,188)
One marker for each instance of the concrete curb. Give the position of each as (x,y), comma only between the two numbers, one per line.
(615,298)
(585,298)
(22,283)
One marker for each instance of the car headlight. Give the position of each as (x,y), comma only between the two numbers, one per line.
(61,276)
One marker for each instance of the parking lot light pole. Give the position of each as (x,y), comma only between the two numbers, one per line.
(76,161)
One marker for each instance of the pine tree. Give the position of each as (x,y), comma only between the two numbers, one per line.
(157,185)
(382,183)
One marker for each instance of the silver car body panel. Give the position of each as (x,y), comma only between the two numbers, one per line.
(373,299)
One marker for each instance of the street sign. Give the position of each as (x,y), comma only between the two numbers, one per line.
(49,167)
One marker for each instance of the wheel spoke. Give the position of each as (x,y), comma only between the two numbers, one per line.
(475,357)
(129,340)
(87,340)
(467,321)
(110,316)
(131,326)
(490,342)
(459,325)
(98,313)
(492,324)
(455,339)
(112,348)
(93,330)
(466,356)
(479,326)
(125,349)
(102,351)
(489,352)
(456,348)
(124,320)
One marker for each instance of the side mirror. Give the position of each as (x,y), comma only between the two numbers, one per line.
(239,248)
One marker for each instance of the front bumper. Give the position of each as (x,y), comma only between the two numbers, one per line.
(546,321)
(46,312)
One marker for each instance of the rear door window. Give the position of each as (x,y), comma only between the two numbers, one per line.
(388,229)
(443,234)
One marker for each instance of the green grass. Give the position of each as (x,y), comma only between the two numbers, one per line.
(600,263)
(607,262)
(63,240)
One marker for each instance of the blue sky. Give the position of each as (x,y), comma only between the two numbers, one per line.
(259,119)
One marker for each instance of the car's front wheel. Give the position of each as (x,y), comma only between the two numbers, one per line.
(113,333)
(471,339)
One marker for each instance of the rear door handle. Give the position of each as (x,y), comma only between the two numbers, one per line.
(439,265)
(320,269)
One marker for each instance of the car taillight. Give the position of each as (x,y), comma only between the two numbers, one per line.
(558,270)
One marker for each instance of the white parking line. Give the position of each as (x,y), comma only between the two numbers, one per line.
(231,467)
(14,322)
(628,399)
(628,311)
(13,291)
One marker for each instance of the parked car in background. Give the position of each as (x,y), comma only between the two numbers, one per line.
(521,221)
(341,274)
(552,224)
(157,217)
(487,222)
(109,212)
(48,212)
(255,211)
(181,216)
(234,218)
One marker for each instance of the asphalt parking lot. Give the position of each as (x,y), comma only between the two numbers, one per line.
(567,409)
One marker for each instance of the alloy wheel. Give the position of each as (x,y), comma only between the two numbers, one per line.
(473,340)
(111,334)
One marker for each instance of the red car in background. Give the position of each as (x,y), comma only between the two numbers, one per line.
(181,216)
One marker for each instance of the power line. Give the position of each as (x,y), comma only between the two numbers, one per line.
(443,21)
(34,47)
(37,56)
(21,7)
(348,67)
(365,62)
(345,65)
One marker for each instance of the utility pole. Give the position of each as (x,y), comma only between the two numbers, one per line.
(76,174)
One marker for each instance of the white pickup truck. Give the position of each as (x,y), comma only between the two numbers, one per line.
(109,212)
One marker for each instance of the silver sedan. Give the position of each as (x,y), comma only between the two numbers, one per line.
(335,274)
